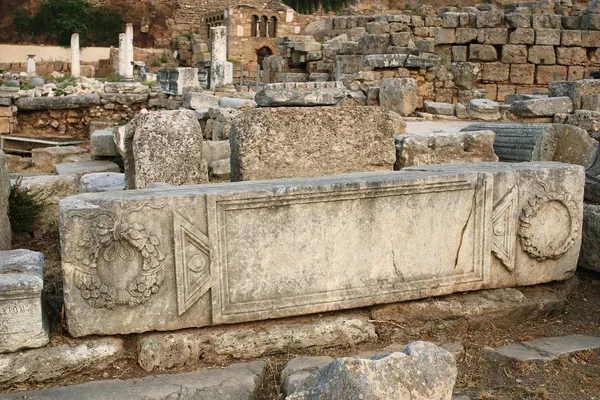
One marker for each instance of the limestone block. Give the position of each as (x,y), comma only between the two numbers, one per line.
(541,55)
(438,108)
(522,36)
(163,146)
(590,22)
(101,182)
(377,27)
(102,144)
(482,52)
(422,372)
(522,74)
(517,20)
(589,257)
(23,323)
(484,109)
(216,254)
(445,36)
(216,150)
(574,89)
(542,350)
(591,102)
(466,35)
(5,231)
(584,119)
(570,38)
(425,45)
(350,64)
(83,167)
(465,74)
(125,98)
(575,73)
(220,169)
(46,157)
(373,44)
(236,381)
(331,141)
(300,94)
(173,80)
(443,148)
(57,103)
(60,362)
(399,95)
(401,39)
(495,72)
(52,189)
(541,142)
(157,351)
(300,368)
(198,100)
(239,104)
(459,53)
(547,37)
(548,73)
(492,35)
(546,21)
(450,19)
(379,61)
(514,54)
(490,19)
(590,39)
(545,107)
(571,56)
(571,22)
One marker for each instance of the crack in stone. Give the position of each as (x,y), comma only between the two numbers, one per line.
(464,228)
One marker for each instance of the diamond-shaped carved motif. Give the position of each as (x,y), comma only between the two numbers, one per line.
(504,230)
(192,263)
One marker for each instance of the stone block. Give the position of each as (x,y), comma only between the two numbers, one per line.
(546,107)
(173,80)
(585,119)
(102,144)
(517,20)
(422,371)
(399,95)
(300,94)
(298,369)
(450,19)
(514,54)
(505,90)
(373,44)
(57,103)
(444,148)
(484,109)
(490,19)
(590,22)
(522,74)
(465,74)
(459,53)
(570,38)
(350,64)
(542,350)
(24,323)
(571,56)
(591,102)
(571,22)
(157,351)
(546,21)
(255,254)
(344,139)
(197,100)
(495,72)
(547,73)
(482,52)
(522,36)
(541,55)
(5,230)
(492,35)
(46,157)
(216,150)
(101,182)
(590,39)
(445,36)
(83,167)
(401,39)
(425,45)
(438,108)
(466,35)
(60,362)
(547,37)
(384,61)
(575,73)
(575,90)
(589,257)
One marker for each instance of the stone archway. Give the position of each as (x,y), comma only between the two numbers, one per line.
(261,54)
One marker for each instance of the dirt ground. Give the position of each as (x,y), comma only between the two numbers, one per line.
(574,378)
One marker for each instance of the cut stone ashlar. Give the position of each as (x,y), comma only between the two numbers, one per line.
(228,253)
(22,319)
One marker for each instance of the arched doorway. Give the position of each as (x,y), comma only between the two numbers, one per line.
(261,54)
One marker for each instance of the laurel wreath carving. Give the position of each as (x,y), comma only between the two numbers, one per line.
(536,250)
(111,238)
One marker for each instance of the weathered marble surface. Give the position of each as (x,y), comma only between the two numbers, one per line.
(22,320)
(228,253)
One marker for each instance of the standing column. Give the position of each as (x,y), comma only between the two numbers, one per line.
(31,65)
(75,67)
(221,71)
(122,54)
(129,51)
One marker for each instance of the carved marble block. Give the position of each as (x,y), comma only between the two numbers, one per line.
(22,318)
(165,259)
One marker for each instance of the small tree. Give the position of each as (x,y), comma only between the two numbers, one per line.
(58,19)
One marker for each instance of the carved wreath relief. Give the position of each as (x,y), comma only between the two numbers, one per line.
(548,225)
(119,261)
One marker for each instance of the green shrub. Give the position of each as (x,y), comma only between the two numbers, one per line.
(155,62)
(24,207)
(164,58)
(113,78)
(62,84)
(58,19)
(22,21)
(104,26)
(149,83)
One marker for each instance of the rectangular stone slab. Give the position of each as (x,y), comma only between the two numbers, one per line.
(165,259)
